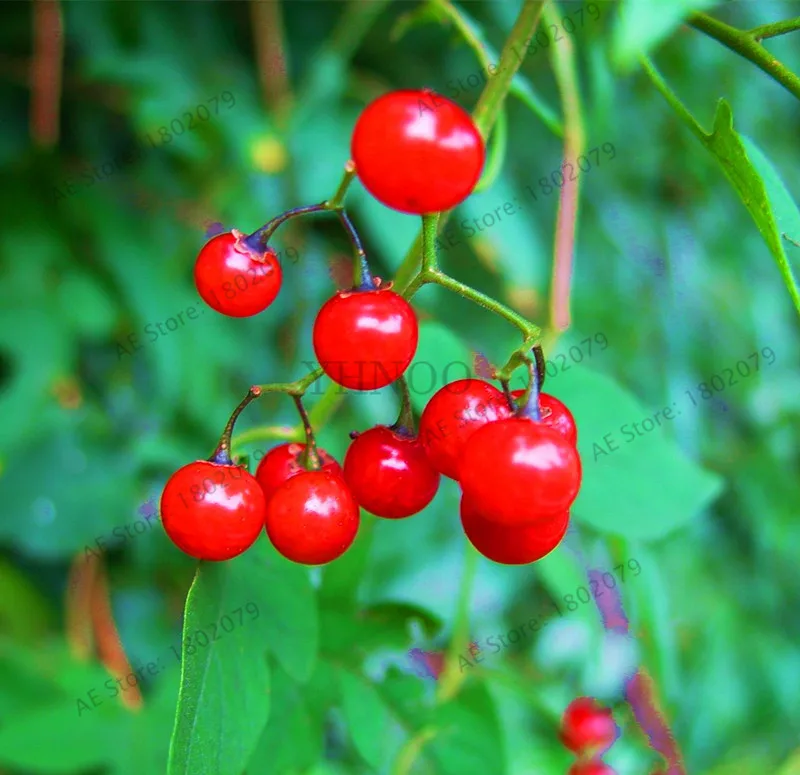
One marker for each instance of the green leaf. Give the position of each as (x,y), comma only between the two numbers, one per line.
(639,486)
(367,716)
(643,24)
(431,368)
(745,174)
(292,740)
(224,699)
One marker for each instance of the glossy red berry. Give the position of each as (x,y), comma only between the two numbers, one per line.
(417,152)
(312,518)
(283,462)
(389,473)
(365,340)
(593,767)
(512,545)
(555,414)
(234,280)
(588,728)
(516,470)
(452,415)
(212,511)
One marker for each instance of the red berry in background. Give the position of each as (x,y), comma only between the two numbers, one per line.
(588,728)
(365,340)
(512,545)
(312,518)
(555,414)
(235,280)
(452,415)
(389,473)
(517,470)
(595,767)
(212,511)
(283,462)
(417,152)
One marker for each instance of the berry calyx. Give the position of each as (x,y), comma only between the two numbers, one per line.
(517,545)
(417,152)
(283,462)
(555,414)
(212,511)
(588,728)
(389,473)
(365,340)
(517,470)
(593,767)
(312,518)
(452,415)
(235,280)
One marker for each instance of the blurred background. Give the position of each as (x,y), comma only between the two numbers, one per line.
(130,128)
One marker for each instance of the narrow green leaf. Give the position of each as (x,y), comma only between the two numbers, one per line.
(636,485)
(754,178)
(367,716)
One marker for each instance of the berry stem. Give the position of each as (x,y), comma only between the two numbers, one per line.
(296,388)
(309,457)
(529,406)
(259,238)
(335,202)
(222,454)
(430,225)
(405,420)
(361,268)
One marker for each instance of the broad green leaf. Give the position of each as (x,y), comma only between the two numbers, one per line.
(366,715)
(765,198)
(224,699)
(441,358)
(643,24)
(292,740)
(636,483)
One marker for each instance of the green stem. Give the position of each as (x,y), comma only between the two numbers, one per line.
(296,388)
(745,45)
(484,115)
(566,73)
(429,228)
(335,202)
(405,420)
(309,458)
(222,454)
(497,154)
(453,676)
(775,29)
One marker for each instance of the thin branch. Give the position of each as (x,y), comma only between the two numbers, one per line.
(746,46)
(574,143)
(46,71)
(774,29)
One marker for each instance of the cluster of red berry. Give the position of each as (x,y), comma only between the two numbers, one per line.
(517,465)
(588,730)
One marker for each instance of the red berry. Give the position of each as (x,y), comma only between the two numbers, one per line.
(212,511)
(234,280)
(587,728)
(516,470)
(283,462)
(452,415)
(517,545)
(555,414)
(594,767)
(365,340)
(312,518)
(389,474)
(417,152)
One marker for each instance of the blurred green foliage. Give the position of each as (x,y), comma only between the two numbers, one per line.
(707,503)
